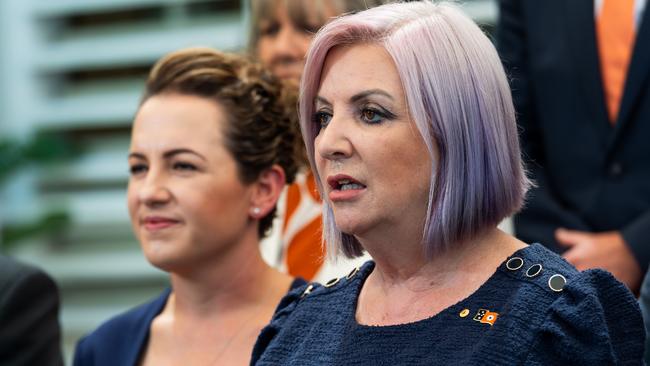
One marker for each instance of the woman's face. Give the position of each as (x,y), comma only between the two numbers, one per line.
(186,201)
(371,159)
(282,45)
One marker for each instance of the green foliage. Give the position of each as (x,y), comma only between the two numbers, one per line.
(51,224)
(10,158)
(43,148)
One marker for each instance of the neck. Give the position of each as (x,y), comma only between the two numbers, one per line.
(217,308)
(230,281)
(401,263)
(405,287)
(396,250)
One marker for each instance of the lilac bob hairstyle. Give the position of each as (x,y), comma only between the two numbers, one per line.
(459,100)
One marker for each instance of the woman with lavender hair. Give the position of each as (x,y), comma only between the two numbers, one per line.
(409,125)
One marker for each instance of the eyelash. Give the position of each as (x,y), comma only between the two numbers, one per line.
(382,113)
(184,166)
(270,30)
(376,112)
(308,28)
(317,119)
(136,169)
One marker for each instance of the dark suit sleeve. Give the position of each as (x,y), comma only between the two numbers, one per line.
(543,211)
(29,325)
(637,236)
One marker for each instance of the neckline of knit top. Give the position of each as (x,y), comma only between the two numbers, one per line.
(451,312)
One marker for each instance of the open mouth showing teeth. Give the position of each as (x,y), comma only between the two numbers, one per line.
(346,184)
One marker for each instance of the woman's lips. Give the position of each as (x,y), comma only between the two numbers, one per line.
(344,188)
(155,223)
(347,195)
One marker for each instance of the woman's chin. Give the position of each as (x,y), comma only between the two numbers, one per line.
(162,258)
(353,227)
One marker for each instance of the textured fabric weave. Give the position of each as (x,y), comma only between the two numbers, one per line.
(594,320)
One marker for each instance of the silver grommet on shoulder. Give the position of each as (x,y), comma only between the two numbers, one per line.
(534,270)
(307,291)
(352,273)
(332,282)
(514,263)
(557,282)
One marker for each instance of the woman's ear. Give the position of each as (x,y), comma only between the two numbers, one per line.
(266,191)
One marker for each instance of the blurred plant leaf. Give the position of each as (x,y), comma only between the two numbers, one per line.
(11,157)
(48,147)
(50,224)
(42,148)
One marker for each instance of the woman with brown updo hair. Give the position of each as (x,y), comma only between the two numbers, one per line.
(212,147)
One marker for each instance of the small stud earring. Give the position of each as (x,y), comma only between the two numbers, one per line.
(256,211)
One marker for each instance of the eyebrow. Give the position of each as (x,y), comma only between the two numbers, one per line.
(367,93)
(359,96)
(169,154)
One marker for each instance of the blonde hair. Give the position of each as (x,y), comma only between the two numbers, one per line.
(299,11)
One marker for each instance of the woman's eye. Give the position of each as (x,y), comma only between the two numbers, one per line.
(184,166)
(308,28)
(322,119)
(137,169)
(371,115)
(270,29)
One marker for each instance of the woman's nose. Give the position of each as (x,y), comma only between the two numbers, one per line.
(154,190)
(286,43)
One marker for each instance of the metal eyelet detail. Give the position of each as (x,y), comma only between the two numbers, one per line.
(352,273)
(332,282)
(557,282)
(514,263)
(307,291)
(534,270)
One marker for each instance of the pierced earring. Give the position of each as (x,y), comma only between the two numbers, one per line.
(256,211)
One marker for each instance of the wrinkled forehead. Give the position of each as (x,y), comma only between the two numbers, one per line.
(362,66)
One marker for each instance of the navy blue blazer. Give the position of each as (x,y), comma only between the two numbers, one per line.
(591,175)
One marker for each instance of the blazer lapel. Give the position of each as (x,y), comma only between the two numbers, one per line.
(580,22)
(637,74)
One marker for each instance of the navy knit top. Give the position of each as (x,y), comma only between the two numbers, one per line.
(536,309)
(123,339)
